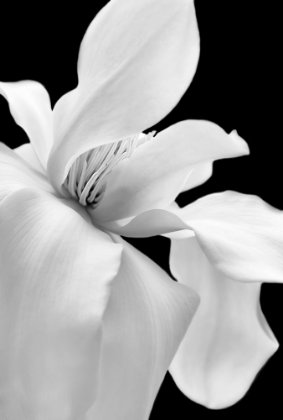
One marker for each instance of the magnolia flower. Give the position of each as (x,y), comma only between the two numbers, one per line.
(89,325)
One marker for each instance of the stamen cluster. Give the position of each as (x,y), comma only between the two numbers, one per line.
(87,178)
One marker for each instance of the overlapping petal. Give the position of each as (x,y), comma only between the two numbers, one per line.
(199,175)
(30,106)
(56,274)
(241,235)
(146,318)
(16,173)
(228,340)
(156,172)
(136,61)
(57,268)
(149,223)
(27,153)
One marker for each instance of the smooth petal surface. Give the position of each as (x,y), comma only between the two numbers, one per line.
(146,318)
(30,106)
(156,172)
(148,223)
(136,61)
(199,175)
(241,235)
(56,273)
(27,153)
(164,222)
(228,340)
(16,173)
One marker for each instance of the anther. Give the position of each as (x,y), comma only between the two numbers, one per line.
(88,175)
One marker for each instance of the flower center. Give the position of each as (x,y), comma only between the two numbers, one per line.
(88,175)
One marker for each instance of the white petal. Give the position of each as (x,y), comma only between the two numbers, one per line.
(30,106)
(15,174)
(136,61)
(156,172)
(56,273)
(199,175)
(228,340)
(27,153)
(148,223)
(147,316)
(241,235)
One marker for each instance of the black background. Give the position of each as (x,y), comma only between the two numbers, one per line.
(236,86)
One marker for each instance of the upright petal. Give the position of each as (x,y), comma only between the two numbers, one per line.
(145,321)
(156,172)
(56,273)
(241,235)
(228,340)
(16,173)
(30,106)
(136,61)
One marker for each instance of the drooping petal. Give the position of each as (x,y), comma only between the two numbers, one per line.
(241,235)
(156,172)
(146,318)
(30,106)
(136,61)
(56,273)
(16,174)
(228,340)
(27,153)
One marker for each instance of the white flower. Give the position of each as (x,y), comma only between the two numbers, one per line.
(89,325)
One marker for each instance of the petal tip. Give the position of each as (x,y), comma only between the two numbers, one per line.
(239,141)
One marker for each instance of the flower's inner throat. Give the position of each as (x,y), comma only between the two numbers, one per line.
(88,175)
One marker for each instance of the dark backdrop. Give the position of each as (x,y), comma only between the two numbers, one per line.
(236,86)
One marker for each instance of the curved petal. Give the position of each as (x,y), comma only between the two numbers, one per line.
(156,172)
(241,235)
(15,174)
(27,153)
(166,222)
(199,175)
(30,106)
(148,223)
(228,340)
(56,273)
(146,319)
(136,61)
